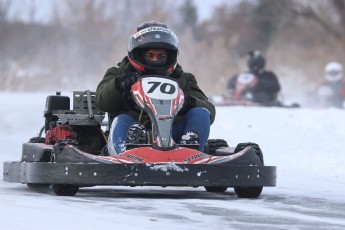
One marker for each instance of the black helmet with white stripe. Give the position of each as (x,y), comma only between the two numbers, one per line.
(153,35)
(256,61)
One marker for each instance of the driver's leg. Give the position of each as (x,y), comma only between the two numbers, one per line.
(196,120)
(118,133)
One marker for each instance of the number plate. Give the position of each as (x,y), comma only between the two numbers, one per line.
(160,88)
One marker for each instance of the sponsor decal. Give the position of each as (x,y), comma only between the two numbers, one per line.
(133,158)
(164,117)
(153,29)
(196,156)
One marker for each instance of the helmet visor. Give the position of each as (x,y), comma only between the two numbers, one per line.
(334,75)
(153,37)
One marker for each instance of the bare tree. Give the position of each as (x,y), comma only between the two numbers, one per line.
(188,17)
(5,6)
(330,15)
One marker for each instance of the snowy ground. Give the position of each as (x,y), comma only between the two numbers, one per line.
(305,144)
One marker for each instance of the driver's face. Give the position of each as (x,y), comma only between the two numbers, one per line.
(254,69)
(156,55)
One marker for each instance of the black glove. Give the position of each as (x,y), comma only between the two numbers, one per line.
(189,102)
(124,83)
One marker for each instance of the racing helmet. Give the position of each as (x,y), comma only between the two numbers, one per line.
(333,72)
(256,61)
(153,35)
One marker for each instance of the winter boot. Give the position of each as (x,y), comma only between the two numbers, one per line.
(137,134)
(190,138)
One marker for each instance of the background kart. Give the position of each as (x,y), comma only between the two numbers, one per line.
(242,94)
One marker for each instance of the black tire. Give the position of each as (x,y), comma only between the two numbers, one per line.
(62,189)
(255,146)
(33,185)
(33,151)
(37,140)
(65,189)
(58,147)
(213,144)
(249,192)
(215,189)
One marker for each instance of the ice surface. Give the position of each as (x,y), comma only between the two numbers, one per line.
(305,144)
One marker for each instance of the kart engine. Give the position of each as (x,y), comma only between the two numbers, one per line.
(58,133)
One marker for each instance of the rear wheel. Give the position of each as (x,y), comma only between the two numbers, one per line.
(215,189)
(211,146)
(249,192)
(33,185)
(65,189)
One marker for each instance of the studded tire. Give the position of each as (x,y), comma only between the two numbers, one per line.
(255,146)
(63,189)
(211,146)
(215,189)
(249,192)
(35,185)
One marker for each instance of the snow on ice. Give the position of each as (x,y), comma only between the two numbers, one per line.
(305,144)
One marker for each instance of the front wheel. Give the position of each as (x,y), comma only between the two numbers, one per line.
(43,156)
(248,192)
(62,189)
(215,189)
(255,146)
(65,189)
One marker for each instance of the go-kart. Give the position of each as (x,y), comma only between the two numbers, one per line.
(69,151)
(242,95)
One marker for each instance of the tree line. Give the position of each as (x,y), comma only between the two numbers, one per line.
(82,39)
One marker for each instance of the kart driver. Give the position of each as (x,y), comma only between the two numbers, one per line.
(258,85)
(152,50)
(331,92)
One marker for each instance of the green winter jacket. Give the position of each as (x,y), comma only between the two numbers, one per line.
(110,100)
